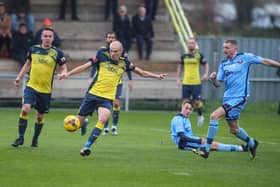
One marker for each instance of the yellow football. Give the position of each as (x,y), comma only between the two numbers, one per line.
(71,123)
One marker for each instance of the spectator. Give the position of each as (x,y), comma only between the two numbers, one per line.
(5,31)
(121,26)
(22,40)
(142,30)
(20,12)
(151,6)
(37,38)
(62,10)
(111,4)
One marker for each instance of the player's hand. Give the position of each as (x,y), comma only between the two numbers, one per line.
(162,76)
(62,76)
(204,77)
(17,83)
(179,83)
(213,76)
(90,81)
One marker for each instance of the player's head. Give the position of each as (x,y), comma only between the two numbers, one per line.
(230,48)
(191,44)
(110,37)
(47,37)
(116,50)
(187,107)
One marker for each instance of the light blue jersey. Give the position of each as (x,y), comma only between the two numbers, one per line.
(179,124)
(235,73)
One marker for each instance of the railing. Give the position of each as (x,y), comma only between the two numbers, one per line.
(179,21)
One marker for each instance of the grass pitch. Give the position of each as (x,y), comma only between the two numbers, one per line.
(141,155)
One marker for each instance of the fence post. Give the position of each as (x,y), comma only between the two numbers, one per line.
(126,96)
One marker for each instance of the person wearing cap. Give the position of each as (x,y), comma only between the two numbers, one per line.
(47,23)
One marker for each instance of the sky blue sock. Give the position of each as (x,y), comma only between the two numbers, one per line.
(229,147)
(212,130)
(242,134)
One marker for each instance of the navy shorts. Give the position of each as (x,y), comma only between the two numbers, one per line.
(40,101)
(191,91)
(91,103)
(119,91)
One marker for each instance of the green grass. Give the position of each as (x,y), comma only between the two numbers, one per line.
(142,155)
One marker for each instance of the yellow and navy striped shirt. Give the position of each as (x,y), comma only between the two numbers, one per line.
(43,64)
(191,63)
(108,75)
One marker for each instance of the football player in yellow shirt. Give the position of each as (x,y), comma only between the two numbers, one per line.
(101,92)
(189,69)
(40,64)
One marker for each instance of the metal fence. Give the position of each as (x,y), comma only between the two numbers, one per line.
(265,85)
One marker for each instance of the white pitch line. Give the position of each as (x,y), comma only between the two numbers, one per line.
(180,173)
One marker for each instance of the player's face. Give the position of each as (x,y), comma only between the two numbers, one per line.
(191,44)
(230,50)
(115,52)
(110,38)
(187,109)
(47,38)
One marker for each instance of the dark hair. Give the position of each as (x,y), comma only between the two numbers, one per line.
(234,42)
(22,25)
(187,101)
(48,29)
(110,32)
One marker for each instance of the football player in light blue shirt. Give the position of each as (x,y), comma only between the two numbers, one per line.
(182,136)
(234,72)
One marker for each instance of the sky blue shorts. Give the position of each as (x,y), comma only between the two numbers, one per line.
(233,107)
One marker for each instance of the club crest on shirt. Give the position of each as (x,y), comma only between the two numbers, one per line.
(240,61)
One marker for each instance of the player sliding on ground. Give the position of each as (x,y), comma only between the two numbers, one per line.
(182,136)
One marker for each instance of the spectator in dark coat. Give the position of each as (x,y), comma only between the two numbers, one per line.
(22,40)
(5,31)
(151,6)
(121,26)
(142,29)
(37,37)
(111,5)
(62,10)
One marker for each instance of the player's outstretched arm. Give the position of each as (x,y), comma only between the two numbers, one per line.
(149,74)
(270,62)
(23,71)
(74,71)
